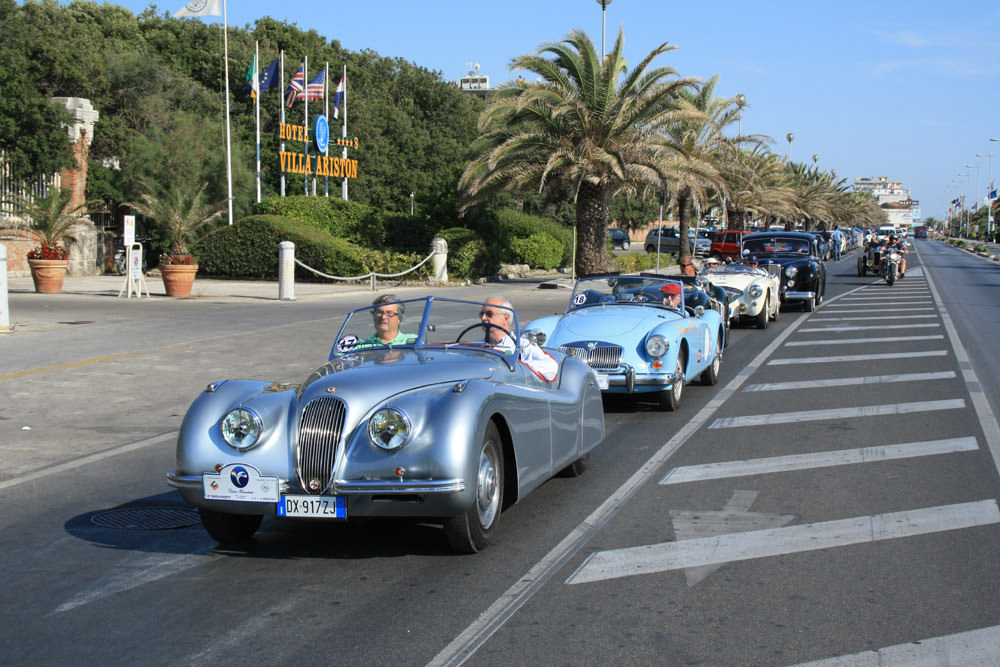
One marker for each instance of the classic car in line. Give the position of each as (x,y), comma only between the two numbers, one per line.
(627,329)
(756,292)
(796,256)
(435,424)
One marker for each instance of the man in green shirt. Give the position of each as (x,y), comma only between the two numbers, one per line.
(386,315)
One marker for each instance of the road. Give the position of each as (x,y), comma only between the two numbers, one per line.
(835,495)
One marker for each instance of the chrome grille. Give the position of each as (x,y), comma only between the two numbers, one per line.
(603,358)
(319,435)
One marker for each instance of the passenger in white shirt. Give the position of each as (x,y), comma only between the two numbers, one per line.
(499,336)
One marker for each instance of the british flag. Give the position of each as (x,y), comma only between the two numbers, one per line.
(296,87)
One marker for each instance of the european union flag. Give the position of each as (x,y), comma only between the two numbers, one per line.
(268,78)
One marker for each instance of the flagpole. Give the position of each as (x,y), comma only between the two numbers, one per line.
(343,185)
(281,103)
(229,152)
(305,88)
(256,87)
(326,111)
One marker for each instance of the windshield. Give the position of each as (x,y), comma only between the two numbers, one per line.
(627,290)
(731,269)
(776,245)
(429,321)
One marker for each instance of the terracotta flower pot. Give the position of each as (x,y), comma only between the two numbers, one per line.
(178,278)
(48,274)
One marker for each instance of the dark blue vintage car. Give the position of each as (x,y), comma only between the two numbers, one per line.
(795,256)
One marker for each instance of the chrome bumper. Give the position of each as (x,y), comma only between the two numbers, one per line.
(626,377)
(798,296)
(348,487)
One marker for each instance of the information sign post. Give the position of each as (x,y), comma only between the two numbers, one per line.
(135,282)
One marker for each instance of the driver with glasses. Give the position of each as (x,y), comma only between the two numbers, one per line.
(496,315)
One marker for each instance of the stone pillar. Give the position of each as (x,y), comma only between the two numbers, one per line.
(286,271)
(81,132)
(439,250)
(83,251)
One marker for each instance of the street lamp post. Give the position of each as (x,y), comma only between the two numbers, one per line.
(815,160)
(411,204)
(604,11)
(788,155)
(970,166)
(741,101)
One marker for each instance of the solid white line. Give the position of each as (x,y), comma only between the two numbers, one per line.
(877,317)
(865,327)
(734,547)
(874,454)
(838,413)
(857,357)
(843,382)
(86,460)
(464,646)
(838,310)
(974,648)
(854,341)
(987,419)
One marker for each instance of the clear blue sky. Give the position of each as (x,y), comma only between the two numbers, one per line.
(904,89)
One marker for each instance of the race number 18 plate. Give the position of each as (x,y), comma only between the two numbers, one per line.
(318,507)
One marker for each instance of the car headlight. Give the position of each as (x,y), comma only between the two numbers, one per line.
(657,346)
(756,291)
(241,428)
(389,429)
(790,271)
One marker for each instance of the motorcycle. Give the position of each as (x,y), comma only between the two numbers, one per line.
(890,265)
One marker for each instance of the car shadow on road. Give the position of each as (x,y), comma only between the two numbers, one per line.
(165,523)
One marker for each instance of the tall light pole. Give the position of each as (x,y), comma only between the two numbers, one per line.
(970,166)
(788,155)
(741,101)
(604,11)
(815,160)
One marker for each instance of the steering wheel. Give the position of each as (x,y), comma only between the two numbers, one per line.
(485,326)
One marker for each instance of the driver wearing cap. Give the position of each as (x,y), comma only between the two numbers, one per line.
(672,295)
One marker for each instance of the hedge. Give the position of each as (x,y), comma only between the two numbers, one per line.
(467,256)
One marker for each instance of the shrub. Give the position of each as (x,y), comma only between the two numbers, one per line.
(512,224)
(634,262)
(346,220)
(539,251)
(467,256)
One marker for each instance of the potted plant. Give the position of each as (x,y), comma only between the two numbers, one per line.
(177,216)
(51,218)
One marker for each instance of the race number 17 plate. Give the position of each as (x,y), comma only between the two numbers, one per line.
(317,507)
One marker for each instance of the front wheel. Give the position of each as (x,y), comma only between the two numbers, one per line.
(809,304)
(229,528)
(625,245)
(760,320)
(474,528)
(669,399)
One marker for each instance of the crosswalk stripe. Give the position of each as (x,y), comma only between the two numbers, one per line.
(974,647)
(732,547)
(874,454)
(846,382)
(877,317)
(837,413)
(857,357)
(852,341)
(866,327)
(839,310)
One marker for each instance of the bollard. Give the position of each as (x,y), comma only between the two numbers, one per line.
(286,271)
(439,250)
(4,309)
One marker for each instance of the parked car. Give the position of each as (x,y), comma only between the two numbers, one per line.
(796,256)
(441,426)
(757,292)
(727,243)
(636,343)
(619,238)
(667,239)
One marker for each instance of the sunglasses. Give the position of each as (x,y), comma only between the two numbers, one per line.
(489,313)
(385,313)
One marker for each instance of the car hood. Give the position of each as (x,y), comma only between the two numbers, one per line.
(610,322)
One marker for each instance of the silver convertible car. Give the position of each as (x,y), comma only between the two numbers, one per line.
(643,334)
(434,424)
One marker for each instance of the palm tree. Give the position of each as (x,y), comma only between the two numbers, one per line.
(589,123)
(51,217)
(178,216)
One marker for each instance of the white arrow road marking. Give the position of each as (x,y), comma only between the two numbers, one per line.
(136,570)
(973,649)
(842,382)
(734,547)
(746,468)
(837,413)
(735,517)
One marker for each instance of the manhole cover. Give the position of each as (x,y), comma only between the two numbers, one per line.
(146,518)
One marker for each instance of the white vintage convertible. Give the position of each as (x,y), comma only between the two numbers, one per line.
(758,292)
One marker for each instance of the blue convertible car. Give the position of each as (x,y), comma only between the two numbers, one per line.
(637,339)
(433,423)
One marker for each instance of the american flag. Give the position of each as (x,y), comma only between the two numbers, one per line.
(315,88)
(295,87)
